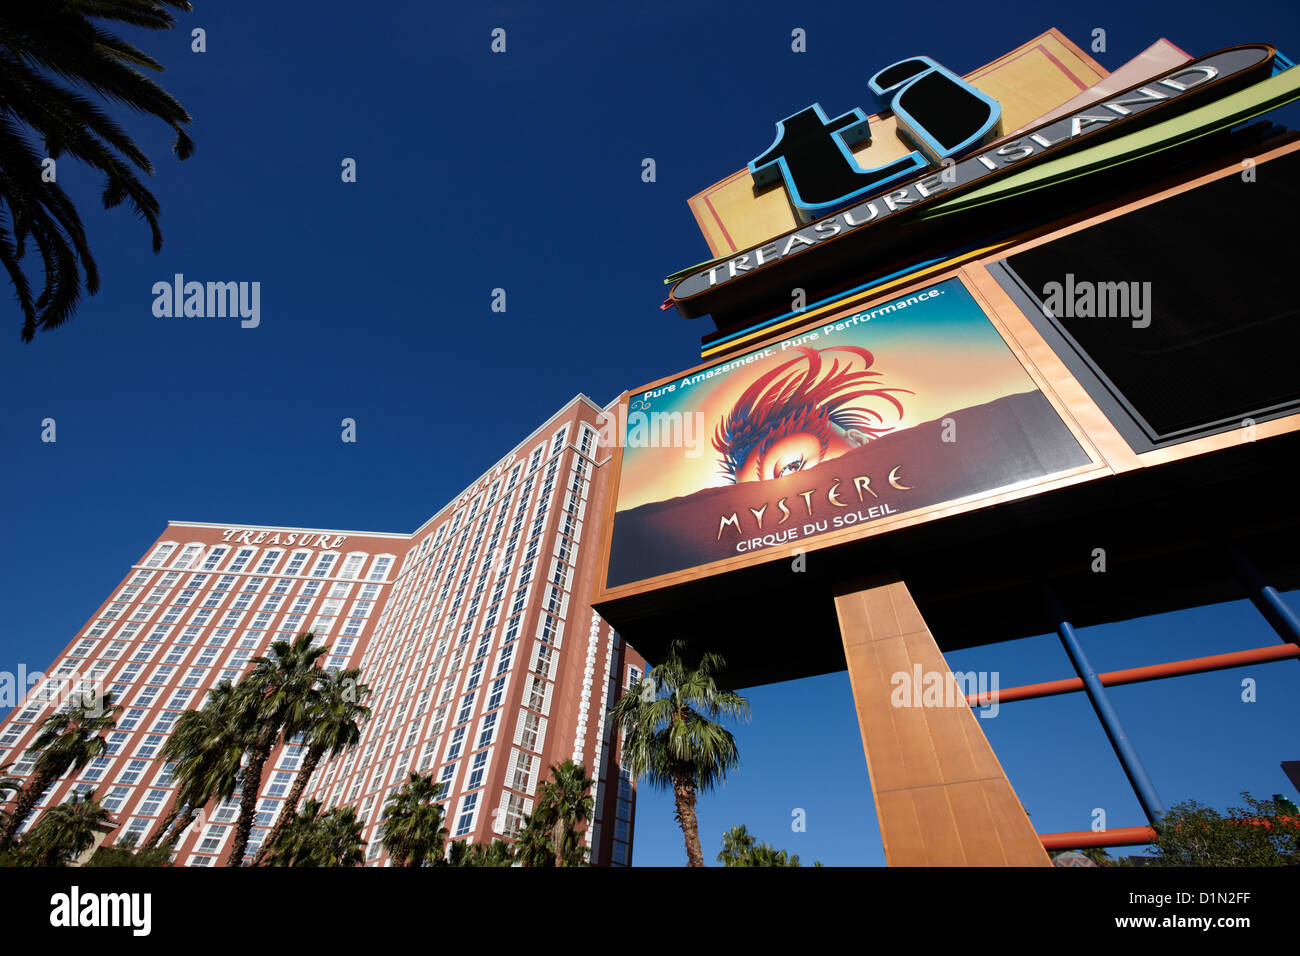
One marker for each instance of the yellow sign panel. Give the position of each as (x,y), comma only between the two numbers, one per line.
(1031,80)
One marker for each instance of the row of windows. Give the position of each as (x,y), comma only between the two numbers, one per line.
(242,560)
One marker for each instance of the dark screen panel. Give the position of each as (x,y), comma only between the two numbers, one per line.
(1214,269)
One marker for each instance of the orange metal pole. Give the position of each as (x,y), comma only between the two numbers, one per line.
(1084,839)
(1126,836)
(1135,675)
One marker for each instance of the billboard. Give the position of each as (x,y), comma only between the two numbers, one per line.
(905,405)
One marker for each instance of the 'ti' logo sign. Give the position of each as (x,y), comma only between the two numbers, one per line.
(938,113)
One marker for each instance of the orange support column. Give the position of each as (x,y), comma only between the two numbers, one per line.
(941,795)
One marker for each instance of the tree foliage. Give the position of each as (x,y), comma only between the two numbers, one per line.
(58,63)
(740,848)
(124,853)
(496,853)
(1262,833)
(65,832)
(411,828)
(312,838)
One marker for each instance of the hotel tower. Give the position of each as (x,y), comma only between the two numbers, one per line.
(485,660)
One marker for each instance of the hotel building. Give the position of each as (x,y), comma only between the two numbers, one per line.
(485,661)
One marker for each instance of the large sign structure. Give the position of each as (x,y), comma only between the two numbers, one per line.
(1136,108)
(950,374)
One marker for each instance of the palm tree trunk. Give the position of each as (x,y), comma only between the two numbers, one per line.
(558,836)
(179,826)
(165,824)
(308,767)
(684,797)
(252,783)
(27,799)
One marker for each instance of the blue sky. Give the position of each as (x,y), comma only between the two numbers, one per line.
(519,171)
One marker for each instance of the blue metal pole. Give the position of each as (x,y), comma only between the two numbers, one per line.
(1283,619)
(1267,601)
(1124,750)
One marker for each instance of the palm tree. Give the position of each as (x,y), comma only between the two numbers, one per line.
(412,828)
(338,839)
(737,843)
(764,855)
(66,831)
(567,804)
(535,843)
(739,848)
(671,737)
(312,838)
(124,853)
(533,846)
(206,751)
(276,697)
(290,846)
(336,722)
(48,52)
(496,853)
(69,739)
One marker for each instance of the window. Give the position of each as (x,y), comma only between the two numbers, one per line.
(352,566)
(323,565)
(457,740)
(115,798)
(266,811)
(524,764)
(95,771)
(242,557)
(212,838)
(130,774)
(226,810)
(291,758)
(537,693)
(542,660)
(149,746)
(445,778)
(152,803)
(528,737)
(514,815)
(269,561)
(466,821)
(179,700)
(486,731)
(160,555)
(161,674)
(498,691)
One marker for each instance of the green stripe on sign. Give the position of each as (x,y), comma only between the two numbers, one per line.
(1213,117)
